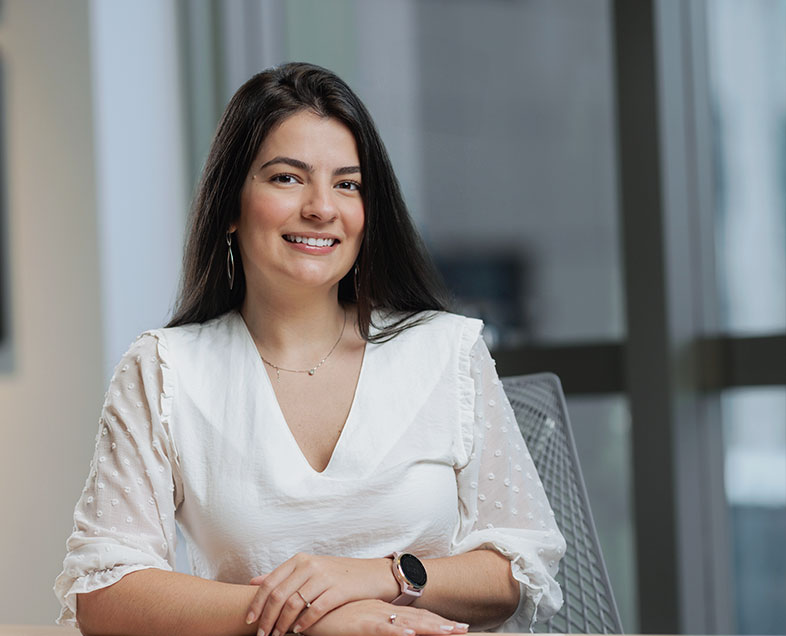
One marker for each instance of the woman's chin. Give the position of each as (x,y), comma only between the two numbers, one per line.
(313,282)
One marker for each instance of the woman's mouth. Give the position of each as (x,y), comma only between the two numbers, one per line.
(310,240)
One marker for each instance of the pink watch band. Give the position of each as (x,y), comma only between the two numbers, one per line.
(408,592)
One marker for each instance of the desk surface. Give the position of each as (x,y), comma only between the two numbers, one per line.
(37,630)
(57,630)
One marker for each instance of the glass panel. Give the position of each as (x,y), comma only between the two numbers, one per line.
(602,430)
(518,159)
(747,54)
(754,427)
(499,118)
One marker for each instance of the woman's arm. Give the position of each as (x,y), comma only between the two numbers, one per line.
(124,521)
(476,588)
(153,602)
(159,603)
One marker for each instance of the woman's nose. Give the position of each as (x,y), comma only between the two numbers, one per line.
(320,205)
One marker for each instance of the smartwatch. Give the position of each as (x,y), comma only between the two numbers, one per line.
(411,577)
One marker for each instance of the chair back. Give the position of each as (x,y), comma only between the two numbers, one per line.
(539,405)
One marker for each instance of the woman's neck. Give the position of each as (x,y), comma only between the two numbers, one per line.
(296,330)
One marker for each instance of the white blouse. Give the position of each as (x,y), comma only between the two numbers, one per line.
(430,461)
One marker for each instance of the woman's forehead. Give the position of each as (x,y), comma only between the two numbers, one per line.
(311,137)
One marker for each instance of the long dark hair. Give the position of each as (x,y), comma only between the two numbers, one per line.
(394,272)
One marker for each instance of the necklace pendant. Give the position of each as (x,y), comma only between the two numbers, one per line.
(312,371)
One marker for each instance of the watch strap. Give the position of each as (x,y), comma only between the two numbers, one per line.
(408,592)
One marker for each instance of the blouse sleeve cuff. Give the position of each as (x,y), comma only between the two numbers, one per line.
(67,587)
(540,594)
(95,566)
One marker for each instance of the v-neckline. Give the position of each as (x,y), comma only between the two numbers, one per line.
(268,385)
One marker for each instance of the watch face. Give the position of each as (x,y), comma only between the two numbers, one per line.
(413,570)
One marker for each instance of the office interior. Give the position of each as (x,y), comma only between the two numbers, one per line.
(603,182)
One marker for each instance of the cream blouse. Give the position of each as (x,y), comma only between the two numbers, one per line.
(430,461)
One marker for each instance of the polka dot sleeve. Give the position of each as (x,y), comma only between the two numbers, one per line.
(503,505)
(124,519)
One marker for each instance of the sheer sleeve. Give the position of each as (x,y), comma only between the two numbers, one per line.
(124,519)
(502,502)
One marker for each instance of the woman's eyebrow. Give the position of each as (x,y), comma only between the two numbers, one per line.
(289,161)
(302,165)
(346,170)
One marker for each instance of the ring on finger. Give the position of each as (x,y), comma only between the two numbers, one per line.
(304,598)
(392,618)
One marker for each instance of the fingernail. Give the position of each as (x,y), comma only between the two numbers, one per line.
(296,629)
(409,632)
(276,633)
(261,632)
(446,628)
(250,618)
(462,626)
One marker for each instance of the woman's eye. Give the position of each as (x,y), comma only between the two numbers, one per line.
(283,178)
(349,185)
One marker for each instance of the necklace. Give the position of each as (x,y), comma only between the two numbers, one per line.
(312,370)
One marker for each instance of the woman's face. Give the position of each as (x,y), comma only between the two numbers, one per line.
(301,212)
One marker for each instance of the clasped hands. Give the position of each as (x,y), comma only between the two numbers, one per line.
(325,596)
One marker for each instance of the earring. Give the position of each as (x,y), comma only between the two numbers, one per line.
(230,262)
(355,282)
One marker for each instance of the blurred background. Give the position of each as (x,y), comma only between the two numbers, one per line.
(603,182)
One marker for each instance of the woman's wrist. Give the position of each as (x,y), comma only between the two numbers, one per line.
(388,587)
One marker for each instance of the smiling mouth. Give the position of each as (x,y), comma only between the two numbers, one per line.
(313,242)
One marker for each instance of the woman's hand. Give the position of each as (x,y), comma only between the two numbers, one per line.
(377,618)
(303,589)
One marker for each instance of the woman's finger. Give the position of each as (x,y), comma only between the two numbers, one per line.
(425,622)
(267,585)
(371,617)
(325,602)
(407,626)
(288,620)
(257,580)
(277,599)
(387,629)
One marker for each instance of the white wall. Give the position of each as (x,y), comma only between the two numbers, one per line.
(49,402)
(96,207)
(140,161)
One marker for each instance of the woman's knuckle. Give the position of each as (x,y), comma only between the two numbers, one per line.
(277,596)
(381,628)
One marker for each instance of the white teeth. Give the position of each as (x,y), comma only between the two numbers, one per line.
(314,242)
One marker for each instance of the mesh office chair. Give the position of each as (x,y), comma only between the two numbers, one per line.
(542,416)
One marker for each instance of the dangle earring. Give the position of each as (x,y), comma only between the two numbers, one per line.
(355,282)
(230,262)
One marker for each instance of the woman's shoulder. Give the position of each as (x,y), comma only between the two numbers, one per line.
(205,333)
(433,326)
(190,342)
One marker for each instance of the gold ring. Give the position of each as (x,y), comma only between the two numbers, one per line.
(392,618)
(304,598)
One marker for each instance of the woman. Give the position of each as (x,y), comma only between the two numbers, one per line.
(310,413)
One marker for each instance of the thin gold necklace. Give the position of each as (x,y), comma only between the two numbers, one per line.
(311,370)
